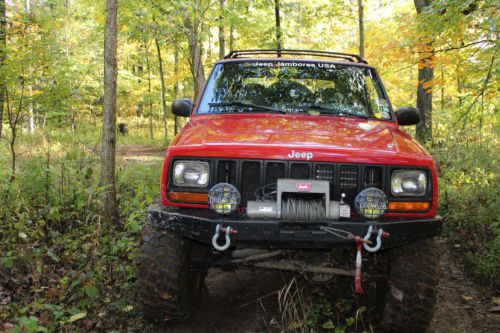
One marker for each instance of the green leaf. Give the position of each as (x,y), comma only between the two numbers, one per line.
(53,256)
(92,291)
(328,325)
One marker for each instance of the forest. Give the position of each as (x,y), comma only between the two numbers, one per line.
(76,80)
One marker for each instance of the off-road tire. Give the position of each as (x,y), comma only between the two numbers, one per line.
(411,288)
(168,289)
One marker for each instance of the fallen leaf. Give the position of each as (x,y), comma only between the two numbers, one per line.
(77,316)
(496,300)
(467,298)
(8,325)
(495,309)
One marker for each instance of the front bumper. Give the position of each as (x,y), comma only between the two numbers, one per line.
(200,225)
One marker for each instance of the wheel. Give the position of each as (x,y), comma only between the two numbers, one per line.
(168,289)
(411,288)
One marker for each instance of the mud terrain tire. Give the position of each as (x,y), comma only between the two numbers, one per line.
(412,287)
(167,288)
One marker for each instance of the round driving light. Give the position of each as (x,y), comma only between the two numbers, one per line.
(224,198)
(371,203)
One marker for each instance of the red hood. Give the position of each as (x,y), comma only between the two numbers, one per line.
(274,136)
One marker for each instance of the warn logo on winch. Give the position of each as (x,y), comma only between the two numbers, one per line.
(303,187)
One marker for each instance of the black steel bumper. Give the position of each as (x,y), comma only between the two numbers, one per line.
(200,225)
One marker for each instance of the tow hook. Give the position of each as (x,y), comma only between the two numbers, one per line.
(380,233)
(228,231)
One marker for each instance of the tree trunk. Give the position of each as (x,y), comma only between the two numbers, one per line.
(3,48)
(222,42)
(193,28)
(231,37)
(278,26)
(196,66)
(425,76)
(110,206)
(442,88)
(298,29)
(361,29)
(163,89)
(150,100)
(29,88)
(176,86)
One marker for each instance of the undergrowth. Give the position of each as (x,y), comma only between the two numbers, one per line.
(61,267)
(469,201)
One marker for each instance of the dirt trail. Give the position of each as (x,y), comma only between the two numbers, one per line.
(245,301)
(463,305)
(138,153)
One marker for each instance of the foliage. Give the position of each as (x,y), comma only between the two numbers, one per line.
(306,308)
(469,203)
(61,268)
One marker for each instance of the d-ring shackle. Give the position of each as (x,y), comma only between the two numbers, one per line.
(226,245)
(379,240)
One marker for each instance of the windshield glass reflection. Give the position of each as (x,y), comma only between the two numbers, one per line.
(295,87)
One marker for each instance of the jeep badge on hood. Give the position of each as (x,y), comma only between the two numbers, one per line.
(297,154)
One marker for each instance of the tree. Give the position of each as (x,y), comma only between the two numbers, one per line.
(222,42)
(361,29)
(27,8)
(150,99)
(425,76)
(110,205)
(3,48)
(194,28)
(279,34)
(163,88)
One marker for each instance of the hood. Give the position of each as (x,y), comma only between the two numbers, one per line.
(327,134)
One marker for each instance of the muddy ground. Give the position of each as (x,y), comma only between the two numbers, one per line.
(246,301)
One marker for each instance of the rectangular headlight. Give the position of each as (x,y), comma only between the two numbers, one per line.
(408,183)
(191,173)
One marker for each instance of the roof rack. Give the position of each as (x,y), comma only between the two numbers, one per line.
(279,53)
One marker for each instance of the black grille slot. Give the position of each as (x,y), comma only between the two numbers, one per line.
(226,172)
(250,180)
(274,170)
(325,172)
(373,177)
(348,182)
(299,171)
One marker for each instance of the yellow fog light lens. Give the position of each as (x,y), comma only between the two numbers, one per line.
(224,198)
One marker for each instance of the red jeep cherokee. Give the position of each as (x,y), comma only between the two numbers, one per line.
(294,160)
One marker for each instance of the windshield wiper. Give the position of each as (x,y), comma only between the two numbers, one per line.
(248,105)
(337,112)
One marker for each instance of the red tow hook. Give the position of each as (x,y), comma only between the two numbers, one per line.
(231,230)
(357,274)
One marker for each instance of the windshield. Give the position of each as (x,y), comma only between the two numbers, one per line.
(313,88)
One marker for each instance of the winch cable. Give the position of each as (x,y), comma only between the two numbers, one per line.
(267,192)
(293,209)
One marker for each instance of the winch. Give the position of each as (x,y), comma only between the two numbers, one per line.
(297,200)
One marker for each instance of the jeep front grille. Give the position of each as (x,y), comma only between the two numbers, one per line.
(248,175)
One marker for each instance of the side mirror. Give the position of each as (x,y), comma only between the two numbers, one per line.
(182,107)
(408,115)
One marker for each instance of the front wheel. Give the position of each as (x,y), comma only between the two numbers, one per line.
(168,288)
(411,288)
